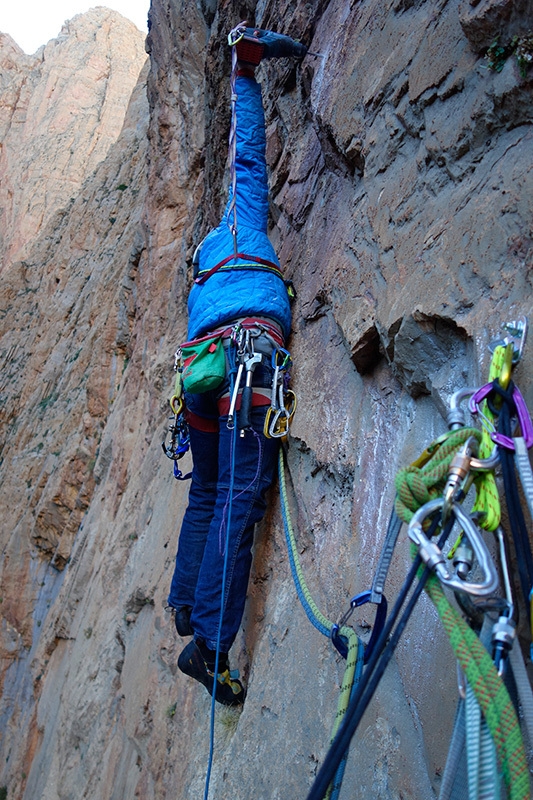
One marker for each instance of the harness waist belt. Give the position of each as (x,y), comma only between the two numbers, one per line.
(267,326)
(210,425)
(258,263)
(258,399)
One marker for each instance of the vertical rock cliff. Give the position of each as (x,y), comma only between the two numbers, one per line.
(62,109)
(402,195)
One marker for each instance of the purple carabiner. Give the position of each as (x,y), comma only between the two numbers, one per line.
(526,426)
(478,397)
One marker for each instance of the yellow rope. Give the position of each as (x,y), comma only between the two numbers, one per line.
(487,498)
(315,615)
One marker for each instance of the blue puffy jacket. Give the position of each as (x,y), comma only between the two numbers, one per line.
(230,292)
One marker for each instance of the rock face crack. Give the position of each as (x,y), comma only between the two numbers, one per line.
(367,353)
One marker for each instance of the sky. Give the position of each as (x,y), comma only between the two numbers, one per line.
(32,23)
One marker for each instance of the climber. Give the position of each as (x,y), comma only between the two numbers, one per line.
(238,288)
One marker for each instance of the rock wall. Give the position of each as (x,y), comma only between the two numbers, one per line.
(401,187)
(62,109)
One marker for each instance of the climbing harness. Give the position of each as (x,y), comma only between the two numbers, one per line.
(254,262)
(200,352)
(429,499)
(278,415)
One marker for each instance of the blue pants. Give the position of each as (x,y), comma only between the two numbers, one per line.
(205,532)
(223,510)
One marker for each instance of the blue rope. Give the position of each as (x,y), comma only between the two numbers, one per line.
(317,619)
(303,599)
(223,593)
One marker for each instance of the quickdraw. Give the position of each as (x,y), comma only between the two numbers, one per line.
(176,442)
(282,400)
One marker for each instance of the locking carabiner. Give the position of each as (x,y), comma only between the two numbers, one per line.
(458,475)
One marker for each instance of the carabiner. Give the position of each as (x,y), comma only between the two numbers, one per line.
(517,334)
(456,416)
(524,419)
(381,613)
(179,437)
(458,473)
(435,560)
(277,426)
(176,404)
(456,419)
(236,34)
(287,360)
(505,571)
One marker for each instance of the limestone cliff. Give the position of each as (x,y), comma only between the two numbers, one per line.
(402,194)
(61,111)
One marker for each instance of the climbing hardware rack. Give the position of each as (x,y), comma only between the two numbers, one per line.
(480,625)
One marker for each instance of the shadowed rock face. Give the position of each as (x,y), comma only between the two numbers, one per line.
(401,184)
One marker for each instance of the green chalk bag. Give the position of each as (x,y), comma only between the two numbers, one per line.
(203,364)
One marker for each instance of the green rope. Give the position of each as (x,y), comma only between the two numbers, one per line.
(488,499)
(315,615)
(490,691)
(416,486)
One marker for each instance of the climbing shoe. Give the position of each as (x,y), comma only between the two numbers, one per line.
(229,690)
(182,620)
(256,44)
